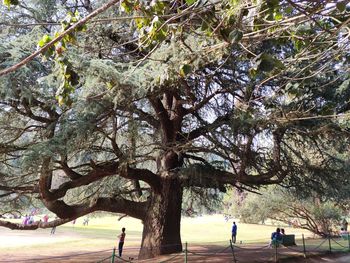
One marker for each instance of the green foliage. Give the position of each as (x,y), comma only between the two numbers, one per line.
(69,78)
(199,201)
(235,36)
(185,70)
(288,207)
(127,6)
(154,30)
(249,208)
(8,3)
(341,6)
(266,63)
(190,2)
(44,41)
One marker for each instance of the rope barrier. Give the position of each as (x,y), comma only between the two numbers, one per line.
(211,242)
(124,260)
(152,259)
(131,248)
(167,260)
(101,261)
(324,241)
(293,249)
(316,253)
(69,256)
(202,253)
(255,248)
(339,243)
(208,254)
(144,260)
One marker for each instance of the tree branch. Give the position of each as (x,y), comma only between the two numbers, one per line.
(57,39)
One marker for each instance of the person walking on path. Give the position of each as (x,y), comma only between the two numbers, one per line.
(53,230)
(234,232)
(121,242)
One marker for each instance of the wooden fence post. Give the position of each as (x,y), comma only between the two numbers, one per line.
(113,256)
(304,248)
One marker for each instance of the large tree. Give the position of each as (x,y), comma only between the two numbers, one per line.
(140,101)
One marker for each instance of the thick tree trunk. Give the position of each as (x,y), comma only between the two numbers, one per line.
(161,227)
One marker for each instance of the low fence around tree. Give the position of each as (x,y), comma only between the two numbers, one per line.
(304,247)
(258,249)
(216,251)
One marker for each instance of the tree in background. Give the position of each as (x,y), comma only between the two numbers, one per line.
(247,207)
(318,215)
(131,103)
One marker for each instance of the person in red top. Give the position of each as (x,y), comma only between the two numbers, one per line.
(121,242)
(46,218)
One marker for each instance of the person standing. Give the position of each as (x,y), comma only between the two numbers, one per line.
(121,242)
(234,232)
(345,224)
(283,233)
(276,238)
(26,219)
(53,230)
(46,218)
(86,221)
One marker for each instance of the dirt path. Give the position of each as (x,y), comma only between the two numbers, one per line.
(66,247)
(197,254)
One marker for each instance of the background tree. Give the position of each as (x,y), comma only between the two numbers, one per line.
(132,110)
(320,215)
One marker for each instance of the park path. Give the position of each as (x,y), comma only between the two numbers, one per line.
(45,250)
(198,254)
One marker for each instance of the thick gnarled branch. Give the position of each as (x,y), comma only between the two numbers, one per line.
(34,226)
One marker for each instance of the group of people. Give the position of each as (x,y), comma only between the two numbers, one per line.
(28,220)
(344,228)
(343,232)
(276,236)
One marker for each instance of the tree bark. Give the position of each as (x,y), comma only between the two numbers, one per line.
(161,226)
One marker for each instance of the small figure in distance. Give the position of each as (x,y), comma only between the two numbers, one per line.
(121,241)
(53,229)
(30,220)
(234,232)
(46,218)
(282,232)
(25,220)
(343,232)
(86,221)
(345,224)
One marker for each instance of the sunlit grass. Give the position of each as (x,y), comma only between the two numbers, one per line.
(102,233)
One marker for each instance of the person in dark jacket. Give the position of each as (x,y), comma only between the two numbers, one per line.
(234,232)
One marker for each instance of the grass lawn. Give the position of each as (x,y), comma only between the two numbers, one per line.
(102,232)
(205,229)
(100,236)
